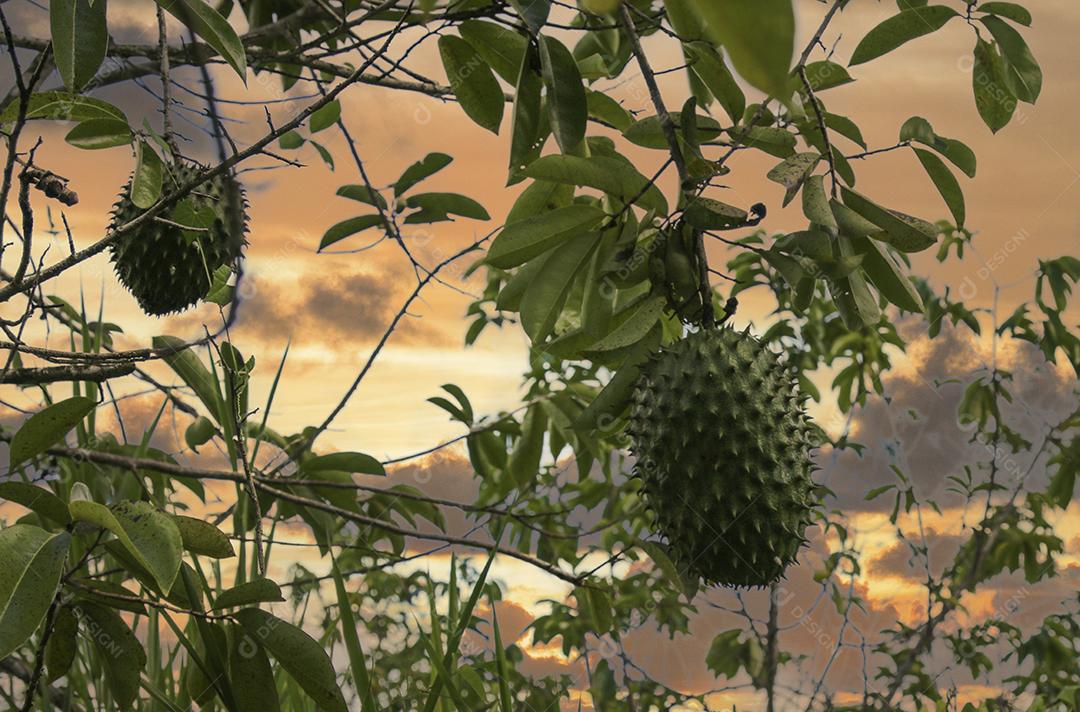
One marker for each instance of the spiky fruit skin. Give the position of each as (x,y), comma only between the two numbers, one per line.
(723,450)
(166,268)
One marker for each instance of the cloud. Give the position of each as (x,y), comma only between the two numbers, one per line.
(915,428)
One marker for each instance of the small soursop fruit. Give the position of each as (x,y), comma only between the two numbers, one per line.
(169,269)
(722,447)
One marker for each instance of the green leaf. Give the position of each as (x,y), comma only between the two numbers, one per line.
(792,171)
(325,116)
(436,207)
(649,133)
(191,370)
(354,462)
(424,168)
(918,129)
(214,29)
(759,36)
(474,85)
(345,228)
(613,176)
(199,432)
(80,39)
(62,106)
(904,232)
(299,654)
(631,324)
(501,47)
(603,108)
(250,674)
(291,140)
(357,661)
(824,75)
(36,499)
(202,538)
(815,204)
(945,182)
(525,128)
(568,107)
(118,648)
(709,214)
(546,295)
(260,590)
(146,181)
(533,12)
(362,194)
(1021,66)
(47,427)
(32,560)
(524,239)
(993,98)
(1009,10)
(709,66)
(888,276)
(93,134)
(150,536)
(63,644)
(897,30)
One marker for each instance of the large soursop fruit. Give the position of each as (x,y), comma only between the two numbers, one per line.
(167,268)
(722,447)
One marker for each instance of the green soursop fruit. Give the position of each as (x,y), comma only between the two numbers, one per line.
(167,268)
(722,446)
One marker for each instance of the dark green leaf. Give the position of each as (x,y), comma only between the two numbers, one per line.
(439,206)
(525,127)
(203,538)
(118,648)
(150,536)
(546,295)
(80,39)
(345,228)
(888,276)
(993,98)
(32,560)
(36,499)
(424,168)
(355,462)
(500,47)
(904,232)
(824,75)
(1010,10)
(62,106)
(299,654)
(522,240)
(945,182)
(473,83)
(62,645)
(260,590)
(709,66)
(613,176)
(899,29)
(568,108)
(214,29)
(1021,66)
(47,427)
(363,194)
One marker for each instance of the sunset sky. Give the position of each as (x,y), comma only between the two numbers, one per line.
(332,308)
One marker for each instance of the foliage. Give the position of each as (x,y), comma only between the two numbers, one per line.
(113,598)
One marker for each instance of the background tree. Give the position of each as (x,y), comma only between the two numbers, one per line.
(113,598)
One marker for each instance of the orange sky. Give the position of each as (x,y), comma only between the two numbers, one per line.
(1022,204)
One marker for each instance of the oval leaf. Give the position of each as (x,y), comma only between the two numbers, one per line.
(48,427)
